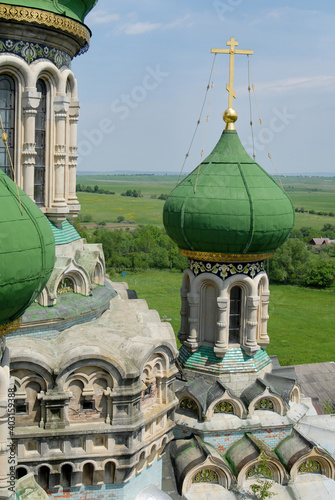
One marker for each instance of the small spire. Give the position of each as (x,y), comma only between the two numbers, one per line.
(230,115)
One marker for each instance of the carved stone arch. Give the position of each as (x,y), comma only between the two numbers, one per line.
(99,272)
(34,365)
(152,455)
(162,354)
(295,395)
(76,375)
(67,78)
(208,471)
(316,461)
(241,280)
(162,446)
(109,365)
(45,299)
(189,404)
(17,68)
(47,70)
(268,401)
(263,467)
(78,275)
(237,406)
(141,462)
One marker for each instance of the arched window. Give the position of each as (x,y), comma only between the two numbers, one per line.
(40,140)
(43,477)
(109,473)
(208,315)
(21,472)
(66,475)
(88,474)
(235,315)
(7,110)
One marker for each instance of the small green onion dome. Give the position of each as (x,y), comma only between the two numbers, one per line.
(27,251)
(228,206)
(75,9)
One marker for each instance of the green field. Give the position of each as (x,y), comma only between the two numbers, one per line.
(301,324)
(311,193)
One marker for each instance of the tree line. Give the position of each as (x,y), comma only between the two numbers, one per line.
(148,246)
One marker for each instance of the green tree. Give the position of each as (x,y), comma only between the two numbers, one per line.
(288,261)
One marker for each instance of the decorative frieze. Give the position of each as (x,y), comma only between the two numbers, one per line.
(30,52)
(224,271)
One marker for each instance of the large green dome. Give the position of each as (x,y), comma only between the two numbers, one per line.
(230,206)
(27,251)
(75,9)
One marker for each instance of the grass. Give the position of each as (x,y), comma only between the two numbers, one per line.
(300,327)
(147,210)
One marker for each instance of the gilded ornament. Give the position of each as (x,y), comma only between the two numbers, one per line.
(224,257)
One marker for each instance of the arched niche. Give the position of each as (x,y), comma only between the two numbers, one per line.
(66,472)
(88,474)
(208,313)
(109,470)
(43,477)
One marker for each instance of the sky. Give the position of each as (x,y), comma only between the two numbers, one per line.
(143,82)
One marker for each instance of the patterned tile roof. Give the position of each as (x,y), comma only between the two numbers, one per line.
(64,234)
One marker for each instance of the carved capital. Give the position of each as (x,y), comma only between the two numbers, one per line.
(30,100)
(61,105)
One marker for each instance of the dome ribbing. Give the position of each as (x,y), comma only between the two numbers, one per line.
(234,207)
(27,251)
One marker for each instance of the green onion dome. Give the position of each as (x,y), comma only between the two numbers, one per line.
(74,9)
(229,208)
(27,251)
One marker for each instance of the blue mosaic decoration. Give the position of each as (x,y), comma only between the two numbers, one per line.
(224,271)
(234,361)
(30,52)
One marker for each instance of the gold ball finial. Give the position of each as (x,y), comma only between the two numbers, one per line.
(230,115)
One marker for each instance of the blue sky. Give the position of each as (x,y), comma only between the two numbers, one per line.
(143,82)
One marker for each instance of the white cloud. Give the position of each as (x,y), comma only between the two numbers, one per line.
(324,82)
(140,28)
(101,17)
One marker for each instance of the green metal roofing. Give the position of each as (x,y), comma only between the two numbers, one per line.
(228,205)
(75,9)
(27,251)
(64,234)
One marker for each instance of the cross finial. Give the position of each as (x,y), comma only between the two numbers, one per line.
(230,115)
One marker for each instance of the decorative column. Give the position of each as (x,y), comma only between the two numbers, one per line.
(108,393)
(7,471)
(250,345)
(192,343)
(73,156)
(61,107)
(183,332)
(263,337)
(221,344)
(30,103)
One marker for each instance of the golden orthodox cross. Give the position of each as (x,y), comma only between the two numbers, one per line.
(232,43)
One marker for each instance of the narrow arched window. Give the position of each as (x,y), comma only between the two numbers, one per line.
(40,140)
(88,474)
(44,477)
(109,473)
(235,315)
(66,475)
(7,110)
(21,472)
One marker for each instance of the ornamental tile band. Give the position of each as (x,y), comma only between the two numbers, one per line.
(224,271)
(30,52)
(235,360)
(224,257)
(29,15)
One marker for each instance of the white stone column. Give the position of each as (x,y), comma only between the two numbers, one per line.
(250,345)
(73,156)
(5,471)
(263,337)
(222,340)
(182,334)
(30,103)
(61,108)
(192,342)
